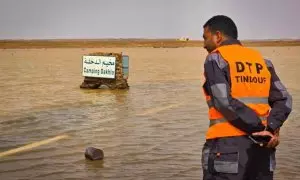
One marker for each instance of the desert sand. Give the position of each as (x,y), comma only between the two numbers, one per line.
(113,43)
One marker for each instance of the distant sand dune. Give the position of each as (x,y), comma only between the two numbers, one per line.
(113,43)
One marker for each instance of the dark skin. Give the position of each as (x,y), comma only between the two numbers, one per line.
(213,40)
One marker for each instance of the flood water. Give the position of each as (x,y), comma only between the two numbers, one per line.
(154,130)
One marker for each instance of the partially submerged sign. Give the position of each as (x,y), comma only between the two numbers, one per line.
(99,66)
(110,69)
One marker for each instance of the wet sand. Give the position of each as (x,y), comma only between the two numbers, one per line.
(154,130)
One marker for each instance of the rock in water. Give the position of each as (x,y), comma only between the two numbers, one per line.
(92,153)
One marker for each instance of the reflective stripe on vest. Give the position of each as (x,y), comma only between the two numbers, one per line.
(222,120)
(250,84)
(252,100)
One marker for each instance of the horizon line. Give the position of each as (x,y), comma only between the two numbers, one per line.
(82,39)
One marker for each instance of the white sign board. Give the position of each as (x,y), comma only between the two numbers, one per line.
(99,66)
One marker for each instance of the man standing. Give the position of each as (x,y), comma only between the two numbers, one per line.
(247,106)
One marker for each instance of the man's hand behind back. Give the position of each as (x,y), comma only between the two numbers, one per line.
(273,142)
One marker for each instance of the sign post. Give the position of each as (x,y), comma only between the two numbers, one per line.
(110,69)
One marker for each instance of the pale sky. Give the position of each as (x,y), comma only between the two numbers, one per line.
(66,19)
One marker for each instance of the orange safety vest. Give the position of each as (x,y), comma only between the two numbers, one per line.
(250,84)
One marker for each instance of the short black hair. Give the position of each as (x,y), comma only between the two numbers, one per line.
(223,24)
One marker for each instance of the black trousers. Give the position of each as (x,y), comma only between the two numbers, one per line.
(237,158)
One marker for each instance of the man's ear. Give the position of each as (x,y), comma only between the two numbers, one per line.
(219,37)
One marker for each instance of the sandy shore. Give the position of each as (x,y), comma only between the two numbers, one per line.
(113,43)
